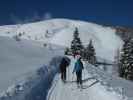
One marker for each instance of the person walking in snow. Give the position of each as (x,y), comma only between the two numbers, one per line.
(78,69)
(63,66)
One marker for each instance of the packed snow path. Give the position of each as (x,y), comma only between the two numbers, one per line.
(69,90)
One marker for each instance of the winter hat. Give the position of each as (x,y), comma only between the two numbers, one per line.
(78,56)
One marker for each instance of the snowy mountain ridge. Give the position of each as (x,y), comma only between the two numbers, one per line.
(60,32)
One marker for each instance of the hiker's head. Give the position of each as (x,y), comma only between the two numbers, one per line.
(78,57)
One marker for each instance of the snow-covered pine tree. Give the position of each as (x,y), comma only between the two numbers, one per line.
(76,44)
(123,59)
(126,61)
(84,54)
(47,34)
(17,37)
(90,53)
(66,51)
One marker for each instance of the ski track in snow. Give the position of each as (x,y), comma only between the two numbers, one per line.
(69,91)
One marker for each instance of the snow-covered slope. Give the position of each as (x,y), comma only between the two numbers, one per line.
(60,32)
(19,58)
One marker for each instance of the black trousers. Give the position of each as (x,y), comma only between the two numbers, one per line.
(63,75)
(79,77)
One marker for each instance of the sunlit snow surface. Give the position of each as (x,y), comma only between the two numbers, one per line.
(69,91)
(20,58)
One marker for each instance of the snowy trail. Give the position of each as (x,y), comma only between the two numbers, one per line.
(69,91)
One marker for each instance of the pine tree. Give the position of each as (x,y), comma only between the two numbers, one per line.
(66,51)
(17,37)
(126,61)
(76,44)
(123,60)
(90,53)
(84,54)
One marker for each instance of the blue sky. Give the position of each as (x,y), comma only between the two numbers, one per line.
(110,12)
